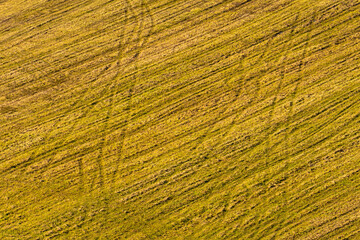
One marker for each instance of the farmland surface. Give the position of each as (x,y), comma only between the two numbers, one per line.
(172,119)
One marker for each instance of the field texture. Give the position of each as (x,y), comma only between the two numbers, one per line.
(172,119)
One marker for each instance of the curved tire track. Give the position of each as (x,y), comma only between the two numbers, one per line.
(145,10)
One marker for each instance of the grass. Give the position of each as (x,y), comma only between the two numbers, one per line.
(170,119)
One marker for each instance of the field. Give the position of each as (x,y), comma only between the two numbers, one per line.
(169,119)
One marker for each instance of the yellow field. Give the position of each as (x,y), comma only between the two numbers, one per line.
(169,119)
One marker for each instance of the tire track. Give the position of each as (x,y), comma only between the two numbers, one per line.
(218,118)
(252,102)
(211,8)
(237,93)
(224,173)
(149,150)
(232,40)
(132,98)
(344,127)
(277,92)
(135,37)
(182,135)
(260,61)
(295,92)
(110,87)
(145,10)
(65,66)
(258,83)
(60,121)
(169,171)
(122,52)
(123,44)
(139,45)
(113,83)
(217,177)
(352,104)
(33,156)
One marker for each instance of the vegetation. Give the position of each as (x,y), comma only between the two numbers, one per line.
(169,119)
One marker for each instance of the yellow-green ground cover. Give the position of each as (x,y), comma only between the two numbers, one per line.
(169,119)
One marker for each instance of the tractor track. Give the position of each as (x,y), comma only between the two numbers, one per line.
(141,44)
